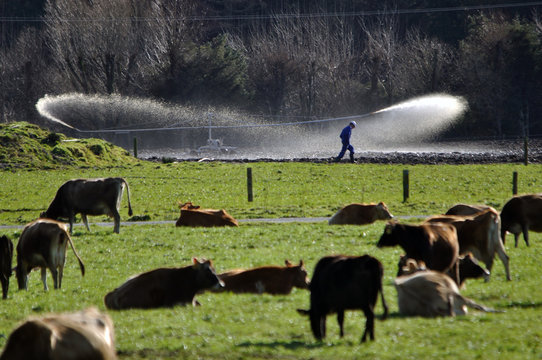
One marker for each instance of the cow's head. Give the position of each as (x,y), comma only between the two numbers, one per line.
(470,268)
(188,206)
(382,212)
(407,266)
(206,276)
(301,279)
(389,237)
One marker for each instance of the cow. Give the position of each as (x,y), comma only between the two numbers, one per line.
(164,287)
(43,243)
(193,215)
(468,268)
(431,293)
(87,334)
(6,258)
(467,209)
(275,280)
(360,214)
(478,234)
(435,244)
(340,283)
(89,197)
(521,214)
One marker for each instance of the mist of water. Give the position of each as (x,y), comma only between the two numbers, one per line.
(405,125)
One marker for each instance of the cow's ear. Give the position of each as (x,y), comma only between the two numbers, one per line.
(195,261)
(301,263)
(287,262)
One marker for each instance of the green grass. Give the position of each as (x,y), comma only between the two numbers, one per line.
(229,326)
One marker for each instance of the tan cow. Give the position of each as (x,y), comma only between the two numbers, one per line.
(193,215)
(266,279)
(521,214)
(164,287)
(43,243)
(360,214)
(479,235)
(89,197)
(430,294)
(88,334)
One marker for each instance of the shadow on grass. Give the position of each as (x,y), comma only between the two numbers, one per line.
(291,345)
(524,304)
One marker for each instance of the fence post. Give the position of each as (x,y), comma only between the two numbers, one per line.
(249,184)
(135,147)
(406,186)
(526,150)
(515,183)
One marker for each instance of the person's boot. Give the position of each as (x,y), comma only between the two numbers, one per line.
(336,160)
(352,158)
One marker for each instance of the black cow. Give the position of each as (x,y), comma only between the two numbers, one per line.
(89,197)
(6,258)
(342,283)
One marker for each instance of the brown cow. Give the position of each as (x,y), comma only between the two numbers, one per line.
(435,244)
(88,334)
(468,268)
(431,293)
(43,244)
(467,209)
(276,280)
(360,214)
(89,197)
(192,215)
(478,234)
(164,287)
(6,258)
(340,283)
(521,214)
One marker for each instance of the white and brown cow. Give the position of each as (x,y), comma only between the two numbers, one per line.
(431,293)
(276,280)
(89,197)
(88,334)
(6,258)
(193,215)
(478,234)
(43,243)
(360,214)
(164,287)
(521,214)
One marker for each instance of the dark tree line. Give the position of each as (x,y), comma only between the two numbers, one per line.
(305,58)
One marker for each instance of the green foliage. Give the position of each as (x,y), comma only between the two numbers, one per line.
(27,146)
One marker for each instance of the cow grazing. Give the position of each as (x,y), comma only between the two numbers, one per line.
(193,215)
(430,294)
(164,287)
(88,334)
(468,268)
(43,243)
(342,283)
(6,258)
(276,280)
(89,197)
(435,244)
(479,235)
(521,214)
(467,209)
(360,214)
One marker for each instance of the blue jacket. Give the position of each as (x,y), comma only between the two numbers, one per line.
(345,134)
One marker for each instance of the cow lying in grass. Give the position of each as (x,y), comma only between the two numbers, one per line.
(193,215)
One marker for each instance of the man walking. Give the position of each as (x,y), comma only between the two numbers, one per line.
(345,139)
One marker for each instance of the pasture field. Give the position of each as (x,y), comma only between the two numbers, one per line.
(229,326)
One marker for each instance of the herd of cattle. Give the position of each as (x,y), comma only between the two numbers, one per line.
(440,254)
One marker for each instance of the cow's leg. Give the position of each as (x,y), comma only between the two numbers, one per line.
(5,286)
(316,326)
(116,218)
(44,278)
(369,324)
(71,218)
(85,220)
(504,258)
(525,229)
(340,320)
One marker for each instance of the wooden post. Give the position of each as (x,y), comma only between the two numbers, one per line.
(526,150)
(249,184)
(406,186)
(135,147)
(515,183)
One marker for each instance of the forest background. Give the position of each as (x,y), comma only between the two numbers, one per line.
(302,58)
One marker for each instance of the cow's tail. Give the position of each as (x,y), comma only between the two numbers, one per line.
(81,265)
(128,194)
(381,290)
